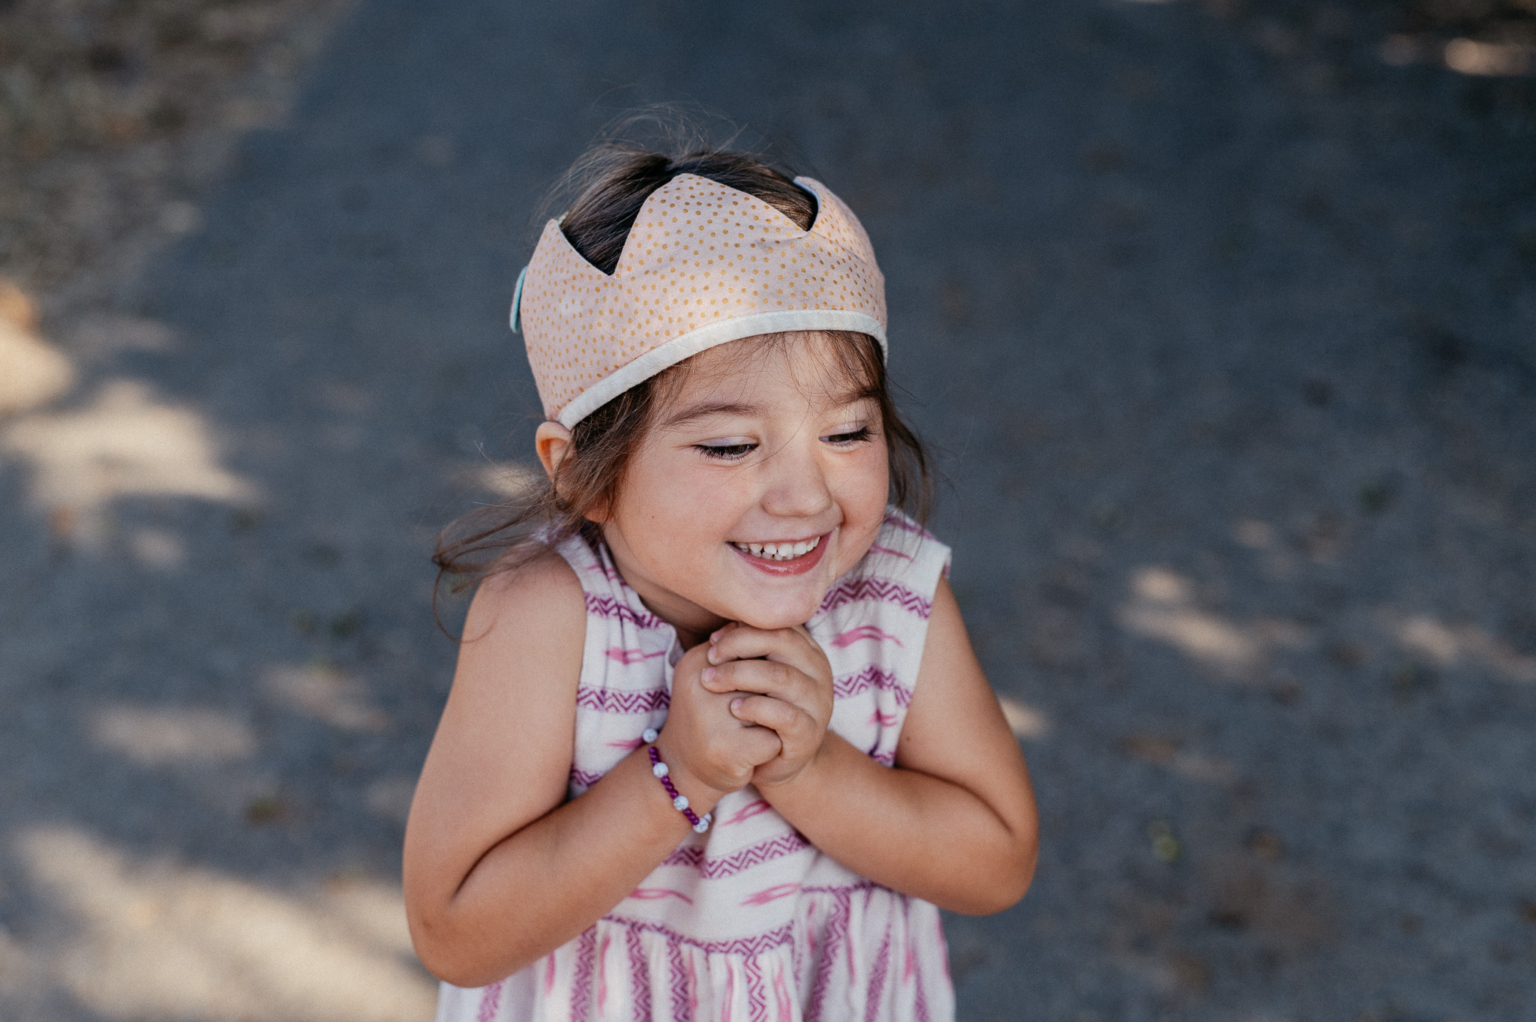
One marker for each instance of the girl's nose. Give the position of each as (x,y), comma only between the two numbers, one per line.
(797,485)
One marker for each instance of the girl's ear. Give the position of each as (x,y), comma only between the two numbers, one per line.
(553,442)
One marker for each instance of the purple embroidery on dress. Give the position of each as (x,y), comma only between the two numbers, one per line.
(906,524)
(877,979)
(836,933)
(609,700)
(581,995)
(740,861)
(585,778)
(607,606)
(920,1004)
(877,549)
(757,1004)
(884,757)
(881,589)
(639,976)
(738,946)
(490,1000)
(876,677)
(682,1002)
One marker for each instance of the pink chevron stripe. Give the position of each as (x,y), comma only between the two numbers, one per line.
(607,606)
(906,524)
(746,812)
(878,549)
(549,975)
(768,894)
(878,589)
(585,778)
(728,1005)
(781,998)
(740,861)
(632,656)
(609,700)
(657,893)
(883,757)
(864,632)
(879,719)
(877,980)
(490,1000)
(870,677)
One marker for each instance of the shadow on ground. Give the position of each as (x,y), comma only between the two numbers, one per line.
(1227,346)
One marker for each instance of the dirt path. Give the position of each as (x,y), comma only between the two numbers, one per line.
(1223,325)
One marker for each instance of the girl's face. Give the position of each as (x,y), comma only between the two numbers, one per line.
(763,479)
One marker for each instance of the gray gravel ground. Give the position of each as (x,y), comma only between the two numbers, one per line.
(1224,329)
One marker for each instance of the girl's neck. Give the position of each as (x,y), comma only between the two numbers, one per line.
(692,623)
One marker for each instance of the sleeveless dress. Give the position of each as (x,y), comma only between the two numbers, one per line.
(748,921)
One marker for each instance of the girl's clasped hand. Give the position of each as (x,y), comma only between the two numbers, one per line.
(717,744)
(777,685)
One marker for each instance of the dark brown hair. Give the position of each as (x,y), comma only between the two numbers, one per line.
(611,183)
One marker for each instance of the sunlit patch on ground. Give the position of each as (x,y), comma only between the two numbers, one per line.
(124,442)
(326,693)
(154,939)
(32,372)
(1027,722)
(1460,645)
(1163,607)
(157,737)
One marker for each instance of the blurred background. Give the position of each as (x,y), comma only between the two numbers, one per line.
(1221,314)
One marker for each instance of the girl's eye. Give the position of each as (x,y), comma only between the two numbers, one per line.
(849,437)
(726,452)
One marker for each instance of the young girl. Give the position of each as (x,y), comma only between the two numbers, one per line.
(717,745)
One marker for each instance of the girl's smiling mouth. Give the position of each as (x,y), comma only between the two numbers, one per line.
(788,557)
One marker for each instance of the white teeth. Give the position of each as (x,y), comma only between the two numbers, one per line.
(780,551)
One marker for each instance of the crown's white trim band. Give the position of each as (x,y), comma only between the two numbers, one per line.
(709,336)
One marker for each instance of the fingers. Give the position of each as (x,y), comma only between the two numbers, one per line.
(779,681)
(792,646)
(785,719)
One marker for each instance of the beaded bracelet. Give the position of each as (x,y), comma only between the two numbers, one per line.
(679,800)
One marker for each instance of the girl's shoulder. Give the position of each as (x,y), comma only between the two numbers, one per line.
(539,589)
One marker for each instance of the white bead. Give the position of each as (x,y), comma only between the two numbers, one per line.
(701,826)
(680,803)
(649,735)
(660,770)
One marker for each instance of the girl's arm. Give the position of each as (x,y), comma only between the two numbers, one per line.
(954,823)
(499,868)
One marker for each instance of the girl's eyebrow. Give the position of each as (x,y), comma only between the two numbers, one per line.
(703,411)
(693,413)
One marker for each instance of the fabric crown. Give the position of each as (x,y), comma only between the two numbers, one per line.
(704,264)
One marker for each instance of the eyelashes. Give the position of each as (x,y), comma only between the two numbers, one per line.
(735,452)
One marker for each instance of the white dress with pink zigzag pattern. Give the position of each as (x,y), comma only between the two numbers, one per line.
(748,921)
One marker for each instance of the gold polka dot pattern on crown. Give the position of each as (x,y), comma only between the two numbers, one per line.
(703,263)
